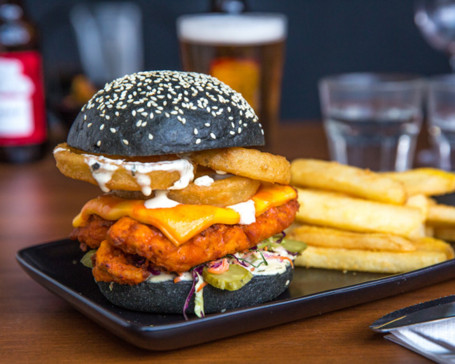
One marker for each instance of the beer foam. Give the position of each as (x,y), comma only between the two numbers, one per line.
(232,29)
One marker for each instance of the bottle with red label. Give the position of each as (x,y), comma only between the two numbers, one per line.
(22,109)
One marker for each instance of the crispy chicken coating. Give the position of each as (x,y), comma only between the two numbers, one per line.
(129,237)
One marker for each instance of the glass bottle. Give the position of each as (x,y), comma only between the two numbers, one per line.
(22,108)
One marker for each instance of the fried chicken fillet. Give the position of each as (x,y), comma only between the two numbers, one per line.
(128,251)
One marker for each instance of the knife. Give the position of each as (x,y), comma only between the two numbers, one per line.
(438,309)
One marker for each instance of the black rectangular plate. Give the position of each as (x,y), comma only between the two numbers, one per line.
(56,266)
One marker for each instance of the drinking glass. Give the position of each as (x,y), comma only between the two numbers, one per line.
(245,51)
(441,119)
(372,120)
(436,21)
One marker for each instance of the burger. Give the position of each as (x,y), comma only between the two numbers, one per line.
(191,217)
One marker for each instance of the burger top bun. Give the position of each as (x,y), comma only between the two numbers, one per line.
(164,112)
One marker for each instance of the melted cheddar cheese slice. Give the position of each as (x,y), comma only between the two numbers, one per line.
(182,222)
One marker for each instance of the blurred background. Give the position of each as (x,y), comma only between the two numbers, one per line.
(324,37)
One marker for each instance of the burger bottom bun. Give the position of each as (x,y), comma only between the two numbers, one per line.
(169,297)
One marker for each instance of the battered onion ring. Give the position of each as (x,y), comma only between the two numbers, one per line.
(224,192)
(72,163)
(244,162)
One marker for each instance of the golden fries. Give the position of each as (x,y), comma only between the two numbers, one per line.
(358,220)
(354,181)
(333,238)
(425,181)
(368,261)
(441,215)
(348,213)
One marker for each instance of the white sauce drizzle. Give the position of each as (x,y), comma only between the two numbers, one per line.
(103,174)
(204,181)
(107,167)
(246,210)
(160,200)
(162,277)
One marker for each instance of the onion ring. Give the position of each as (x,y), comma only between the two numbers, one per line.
(245,162)
(222,193)
(74,163)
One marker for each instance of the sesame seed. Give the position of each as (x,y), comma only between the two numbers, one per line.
(198,141)
(213,136)
(150,136)
(195,131)
(113,130)
(207,125)
(89,125)
(125,141)
(98,143)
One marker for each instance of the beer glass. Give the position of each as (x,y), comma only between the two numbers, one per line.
(245,51)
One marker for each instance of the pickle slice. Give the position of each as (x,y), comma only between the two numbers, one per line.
(87,258)
(231,280)
(293,246)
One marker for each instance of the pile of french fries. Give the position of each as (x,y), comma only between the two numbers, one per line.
(357,220)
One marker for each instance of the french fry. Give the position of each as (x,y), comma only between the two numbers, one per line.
(420,202)
(354,181)
(428,251)
(333,238)
(444,233)
(426,181)
(366,260)
(347,213)
(428,244)
(441,215)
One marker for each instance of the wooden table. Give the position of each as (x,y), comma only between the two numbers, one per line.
(37,205)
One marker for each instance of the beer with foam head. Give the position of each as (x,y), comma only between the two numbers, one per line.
(245,51)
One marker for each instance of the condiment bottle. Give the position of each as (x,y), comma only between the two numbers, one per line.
(22,108)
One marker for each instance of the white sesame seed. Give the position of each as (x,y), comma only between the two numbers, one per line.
(198,141)
(150,136)
(113,130)
(195,131)
(133,113)
(98,143)
(138,123)
(89,125)
(207,124)
(125,141)
(102,127)
(213,136)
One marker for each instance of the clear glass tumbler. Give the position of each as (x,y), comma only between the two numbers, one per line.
(372,120)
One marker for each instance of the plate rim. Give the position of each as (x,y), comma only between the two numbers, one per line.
(166,336)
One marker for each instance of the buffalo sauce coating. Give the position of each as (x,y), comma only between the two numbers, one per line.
(131,237)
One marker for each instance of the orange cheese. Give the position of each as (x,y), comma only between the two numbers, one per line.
(182,222)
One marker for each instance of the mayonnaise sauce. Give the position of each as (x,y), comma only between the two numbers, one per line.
(204,181)
(160,200)
(246,210)
(103,168)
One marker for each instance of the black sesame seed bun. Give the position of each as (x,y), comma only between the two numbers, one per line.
(169,297)
(164,112)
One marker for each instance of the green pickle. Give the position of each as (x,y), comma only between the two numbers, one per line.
(231,280)
(293,246)
(87,258)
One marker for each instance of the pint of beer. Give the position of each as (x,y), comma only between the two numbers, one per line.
(245,51)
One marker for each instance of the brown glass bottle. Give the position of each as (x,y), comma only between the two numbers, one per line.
(22,110)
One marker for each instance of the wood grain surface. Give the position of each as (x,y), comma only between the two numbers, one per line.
(37,205)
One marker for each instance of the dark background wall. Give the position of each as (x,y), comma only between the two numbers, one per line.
(325,37)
